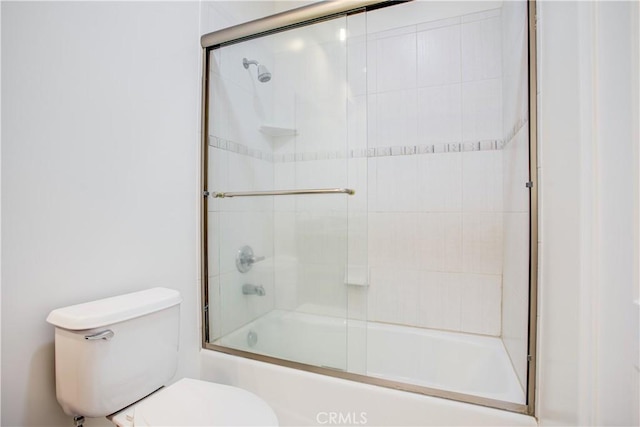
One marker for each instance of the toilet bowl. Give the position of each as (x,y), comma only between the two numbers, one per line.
(190,402)
(114,358)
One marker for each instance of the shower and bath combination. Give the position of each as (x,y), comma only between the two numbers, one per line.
(263,74)
(407,285)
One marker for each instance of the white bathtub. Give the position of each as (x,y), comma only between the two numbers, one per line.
(302,398)
(462,363)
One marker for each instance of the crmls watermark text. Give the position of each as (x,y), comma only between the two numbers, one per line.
(341,418)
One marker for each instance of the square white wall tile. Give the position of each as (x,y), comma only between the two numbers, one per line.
(439,56)
(242,123)
(284,236)
(321,173)
(439,182)
(392,240)
(516,172)
(515,290)
(482,110)
(472,17)
(358,172)
(372,66)
(217,175)
(321,123)
(213,243)
(482,242)
(515,59)
(440,114)
(321,237)
(394,295)
(396,184)
(215,311)
(432,25)
(482,181)
(395,62)
(481,304)
(481,49)
(439,241)
(285,66)
(515,97)
(440,299)
(514,18)
(310,238)
(358,244)
(372,184)
(218,114)
(284,177)
(285,282)
(321,289)
(372,121)
(399,29)
(357,122)
(396,118)
(357,66)
(336,245)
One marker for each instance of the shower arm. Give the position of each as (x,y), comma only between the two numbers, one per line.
(246,62)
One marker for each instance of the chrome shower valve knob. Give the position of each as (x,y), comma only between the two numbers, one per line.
(245,259)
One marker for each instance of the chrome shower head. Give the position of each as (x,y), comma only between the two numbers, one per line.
(263,74)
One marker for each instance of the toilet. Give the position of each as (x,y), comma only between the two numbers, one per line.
(114,357)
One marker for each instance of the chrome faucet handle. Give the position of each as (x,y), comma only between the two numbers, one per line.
(245,259)
(255,259)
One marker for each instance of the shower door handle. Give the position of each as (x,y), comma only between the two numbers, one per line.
(311,191)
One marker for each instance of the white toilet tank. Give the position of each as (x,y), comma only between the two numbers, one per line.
(113,352)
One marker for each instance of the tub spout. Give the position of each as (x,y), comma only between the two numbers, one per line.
(248,289)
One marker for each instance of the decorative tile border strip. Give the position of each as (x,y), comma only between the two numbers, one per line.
(515,129)
(406,150)
(235,147)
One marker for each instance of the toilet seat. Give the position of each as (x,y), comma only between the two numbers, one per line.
(190,402)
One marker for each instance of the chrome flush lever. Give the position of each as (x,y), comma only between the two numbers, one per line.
(245,259)
(102,335)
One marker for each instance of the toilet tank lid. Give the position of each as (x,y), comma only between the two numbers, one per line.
(107,311)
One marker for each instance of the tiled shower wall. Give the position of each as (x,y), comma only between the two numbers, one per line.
(515,281)
(435,216)
(311,231)
(239,161)
(423,137)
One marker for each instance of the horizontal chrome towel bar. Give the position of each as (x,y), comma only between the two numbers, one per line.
(285,192)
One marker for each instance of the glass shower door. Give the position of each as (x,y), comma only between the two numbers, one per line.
(278,255)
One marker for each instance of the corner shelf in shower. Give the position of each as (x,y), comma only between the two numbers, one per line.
(271,130)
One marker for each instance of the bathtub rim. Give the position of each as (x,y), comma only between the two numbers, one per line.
(396,385)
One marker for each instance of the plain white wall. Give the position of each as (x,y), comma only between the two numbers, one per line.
(588,104)
(100,167)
